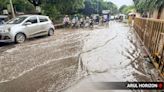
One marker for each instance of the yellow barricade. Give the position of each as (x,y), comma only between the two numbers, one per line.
(151,32)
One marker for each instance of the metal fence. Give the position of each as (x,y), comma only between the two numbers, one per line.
(151,32)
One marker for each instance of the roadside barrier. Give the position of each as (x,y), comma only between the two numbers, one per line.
(151,32)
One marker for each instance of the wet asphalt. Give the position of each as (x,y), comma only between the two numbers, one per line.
(74,57)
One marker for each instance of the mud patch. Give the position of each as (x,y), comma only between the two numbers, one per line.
(43,77)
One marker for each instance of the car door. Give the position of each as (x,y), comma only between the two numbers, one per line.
(43,24)
(32,29)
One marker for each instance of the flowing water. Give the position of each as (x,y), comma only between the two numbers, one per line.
(72,59)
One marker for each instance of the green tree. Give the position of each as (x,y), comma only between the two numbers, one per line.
(3,4)
(23,6)
(122,8)
(35,2)
(19,5)
(126,9)
(108,6)
(148,5)
(65,6)
(97,6)
(51,11)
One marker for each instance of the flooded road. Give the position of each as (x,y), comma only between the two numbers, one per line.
(71,60)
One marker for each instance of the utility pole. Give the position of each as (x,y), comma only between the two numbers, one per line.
(12,9)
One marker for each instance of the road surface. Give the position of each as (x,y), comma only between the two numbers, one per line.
(72,59)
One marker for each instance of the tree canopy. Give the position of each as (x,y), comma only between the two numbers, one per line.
(35,2)
(97,6)
(65,6)
(19,5)
(54,8)
(127,9)
(148,5)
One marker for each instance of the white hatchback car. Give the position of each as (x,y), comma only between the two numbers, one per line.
(26,26)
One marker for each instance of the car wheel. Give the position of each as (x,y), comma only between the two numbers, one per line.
(50,32)
(20,38)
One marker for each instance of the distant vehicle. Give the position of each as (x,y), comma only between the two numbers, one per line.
(112,18)
(26,26)
(122,17)
(3,19)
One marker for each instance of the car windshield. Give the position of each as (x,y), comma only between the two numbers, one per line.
(17,20)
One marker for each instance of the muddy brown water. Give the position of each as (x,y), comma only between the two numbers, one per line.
(60,62)
(41,64)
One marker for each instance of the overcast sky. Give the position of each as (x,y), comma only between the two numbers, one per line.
(122,2)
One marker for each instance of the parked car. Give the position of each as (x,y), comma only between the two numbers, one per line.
(26,26)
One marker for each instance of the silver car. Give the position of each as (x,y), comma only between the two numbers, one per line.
(26,26)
